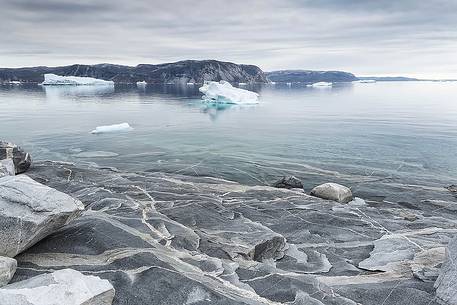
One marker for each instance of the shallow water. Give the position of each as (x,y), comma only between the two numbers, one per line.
(405,132)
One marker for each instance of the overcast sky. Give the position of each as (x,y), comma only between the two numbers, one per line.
(402,37)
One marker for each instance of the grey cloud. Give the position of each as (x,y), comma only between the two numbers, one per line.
(379,37)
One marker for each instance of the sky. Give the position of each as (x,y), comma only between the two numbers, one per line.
(403,37)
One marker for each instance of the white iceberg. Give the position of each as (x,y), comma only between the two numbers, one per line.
(14,82)
(365,81)
(223,92)
(112,128)
(320,85)
(141,84)
(53,79)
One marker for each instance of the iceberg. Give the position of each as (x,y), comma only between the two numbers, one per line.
(320,85)
(14,82)
(365,81)
(112,128)
(223,92)
(53,79)
(141,84)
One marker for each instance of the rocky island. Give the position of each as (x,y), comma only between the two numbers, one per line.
(154,238)
(182,72)
(308,76)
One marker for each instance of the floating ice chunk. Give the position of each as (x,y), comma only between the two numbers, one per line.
(112,128)
(320,85)
(14,82)
(365,81)
(223,92)
(53,79)
(141,84)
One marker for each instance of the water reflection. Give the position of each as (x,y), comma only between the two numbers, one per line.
(60,91)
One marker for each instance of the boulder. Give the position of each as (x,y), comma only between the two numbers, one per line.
(30,211)
(288,182)
(446,284)
(21,159)
(7,167)
(7,269)
(333,191)
(63,287)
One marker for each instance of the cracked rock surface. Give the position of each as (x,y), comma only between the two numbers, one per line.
(174,239)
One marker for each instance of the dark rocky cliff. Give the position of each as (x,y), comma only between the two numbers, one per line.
(307,76)
(178,72)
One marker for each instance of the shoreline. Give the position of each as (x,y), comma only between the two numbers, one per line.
(228,242)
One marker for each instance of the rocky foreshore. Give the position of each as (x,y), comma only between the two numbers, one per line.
(155,238)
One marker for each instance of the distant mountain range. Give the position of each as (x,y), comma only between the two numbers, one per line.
(307,76)
(182,72)
(388,78)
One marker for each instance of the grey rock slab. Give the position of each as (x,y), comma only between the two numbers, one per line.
(288,182)
(446,284)
(7,269)
(333,191)
(426,264)
(7,167)
(22,160)
(30,211)
(62,287)
(173,239)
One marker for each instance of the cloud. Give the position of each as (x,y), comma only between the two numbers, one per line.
(365,37)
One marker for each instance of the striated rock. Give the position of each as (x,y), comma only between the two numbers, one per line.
(425,265)
(22,160)
(30,211)
(446,284)
(288,182)
(333,191)
(163,238)
(389,251)
(7,269)
(7,167)
(63,287)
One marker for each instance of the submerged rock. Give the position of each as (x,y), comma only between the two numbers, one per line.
(333,191)
(7,269)
(7,167)
(63,287)
(30,211)
(446,284)
(288,182)
(22,160)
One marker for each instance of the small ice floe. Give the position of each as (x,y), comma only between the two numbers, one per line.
(57,80)
(112,128)
(223,92)
(141,84)
(320,85)
(365,81)
(14,82)
(190,84)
